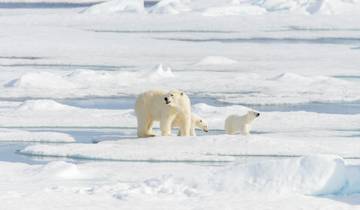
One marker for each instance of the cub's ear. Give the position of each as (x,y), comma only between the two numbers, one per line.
(182,93)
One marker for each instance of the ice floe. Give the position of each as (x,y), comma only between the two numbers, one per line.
(205,148)
(49,113)
(9,135)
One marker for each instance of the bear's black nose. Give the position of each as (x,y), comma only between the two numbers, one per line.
(257,114)
(166,99)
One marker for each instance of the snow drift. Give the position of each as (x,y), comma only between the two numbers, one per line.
(43,105)
(327,7)
(170,7)
(215,60)
(22,135)
(309,175)
(116,6)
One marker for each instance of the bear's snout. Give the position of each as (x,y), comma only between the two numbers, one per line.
(166,100)
(257,114)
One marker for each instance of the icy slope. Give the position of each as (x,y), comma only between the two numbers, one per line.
(311,175)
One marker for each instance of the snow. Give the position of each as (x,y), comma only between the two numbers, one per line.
(309,175)
(284,88)
(207,148)
(234,10)
(116,6)
(49,113)
(170,7)
(113,186)
(160,72)
(48,1)
(9,135)
(42,105)
(326,7)
(216,60)
(40,80)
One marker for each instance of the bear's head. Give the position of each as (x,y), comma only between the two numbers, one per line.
(177,99)
(251,115)
(201,123)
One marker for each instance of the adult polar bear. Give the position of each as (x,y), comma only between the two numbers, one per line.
(157,105)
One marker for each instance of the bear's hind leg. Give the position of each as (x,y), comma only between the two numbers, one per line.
(149,130)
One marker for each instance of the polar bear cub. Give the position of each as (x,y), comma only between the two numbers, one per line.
(240,124)
(196,122)
(165,107)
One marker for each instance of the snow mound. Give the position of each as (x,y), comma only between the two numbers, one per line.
(60,170)
(216,60)
(310,175)
(325,7)
(170,7)
(291,77)
(300,79)
(160,72)
(116,6)
(40,80)
(90,78)
(22,135)
(234,10)
(166,185)
(43,105)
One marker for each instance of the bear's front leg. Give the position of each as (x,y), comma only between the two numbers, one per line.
(246,129)
(185,127)
(165,125)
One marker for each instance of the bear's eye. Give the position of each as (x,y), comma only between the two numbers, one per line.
(201,121)
(172,95)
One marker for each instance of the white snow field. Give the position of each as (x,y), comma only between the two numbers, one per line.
(311,182)
(70,72)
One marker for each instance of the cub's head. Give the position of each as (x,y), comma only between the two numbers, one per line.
(200,123)
(251,115)
(176,98)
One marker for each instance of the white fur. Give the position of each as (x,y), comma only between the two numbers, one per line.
(240,124)
(196,122)
(151,106)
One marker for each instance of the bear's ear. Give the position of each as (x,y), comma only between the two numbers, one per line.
(182,93)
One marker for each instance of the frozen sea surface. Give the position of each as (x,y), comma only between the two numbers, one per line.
(76,75)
